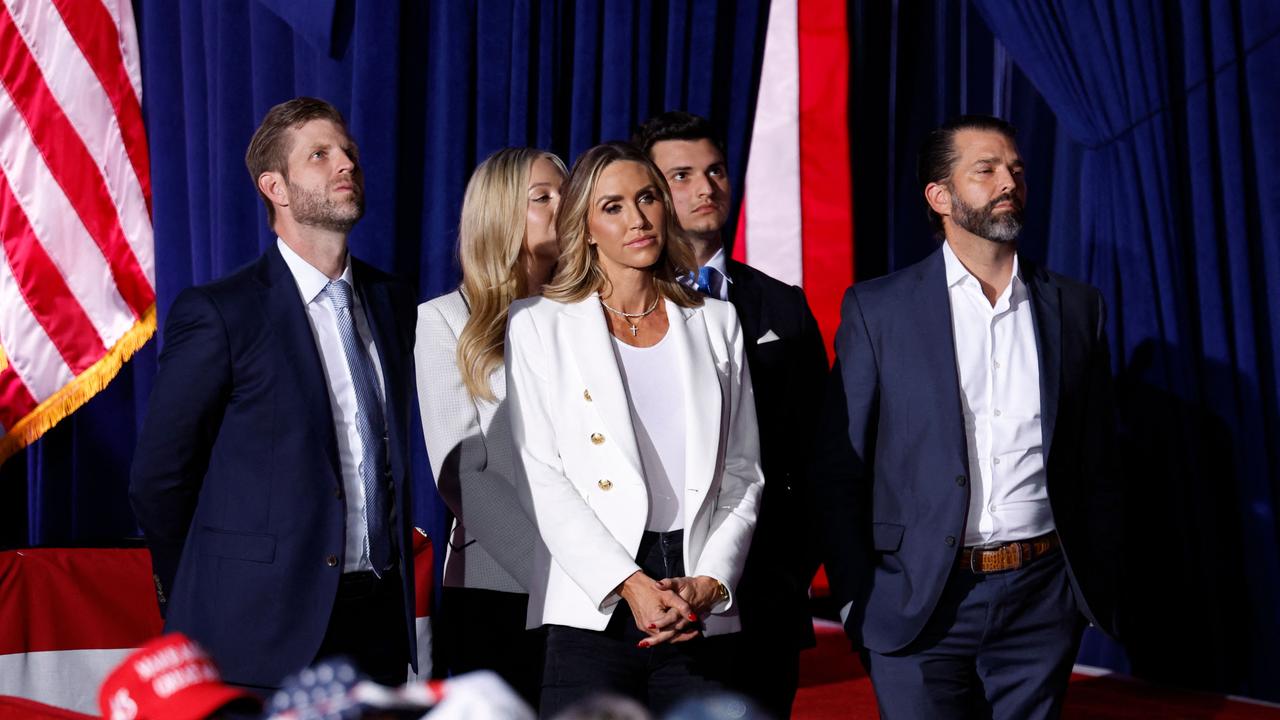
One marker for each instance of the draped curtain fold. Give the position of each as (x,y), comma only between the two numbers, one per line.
(1165,198)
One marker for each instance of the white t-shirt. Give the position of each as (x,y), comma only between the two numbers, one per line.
(657,402)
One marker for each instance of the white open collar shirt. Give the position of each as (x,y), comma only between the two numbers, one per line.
(999,373)
(342,395)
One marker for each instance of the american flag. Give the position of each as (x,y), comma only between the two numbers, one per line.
(796,222)
(77,281)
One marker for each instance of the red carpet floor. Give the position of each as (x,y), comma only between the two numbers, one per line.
(834,685)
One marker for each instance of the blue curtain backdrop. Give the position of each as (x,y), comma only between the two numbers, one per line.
(1166,197)
(428,89)
(1144,125)
(913,65)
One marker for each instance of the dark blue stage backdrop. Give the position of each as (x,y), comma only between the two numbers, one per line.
(1149,128)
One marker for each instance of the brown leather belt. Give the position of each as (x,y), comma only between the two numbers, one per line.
(1008,556)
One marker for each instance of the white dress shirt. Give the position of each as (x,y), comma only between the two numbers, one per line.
(657,413)
(342,394)
(999,366)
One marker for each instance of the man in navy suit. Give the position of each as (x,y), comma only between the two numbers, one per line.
(271,475)
(963,483)
(788,367)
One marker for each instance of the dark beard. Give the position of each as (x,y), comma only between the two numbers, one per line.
(315,209)
(983,221)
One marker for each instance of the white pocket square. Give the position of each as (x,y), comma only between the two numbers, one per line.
(768,337)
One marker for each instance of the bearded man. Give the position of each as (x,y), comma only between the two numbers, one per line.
(963,483)
(271,477)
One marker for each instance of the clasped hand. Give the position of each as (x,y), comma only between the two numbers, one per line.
(668,610)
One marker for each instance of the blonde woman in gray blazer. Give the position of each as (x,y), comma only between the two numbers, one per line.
(638,455)
(507,246)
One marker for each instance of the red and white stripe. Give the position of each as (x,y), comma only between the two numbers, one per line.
(68,616)
(423,597)
(77,281)
(796,222)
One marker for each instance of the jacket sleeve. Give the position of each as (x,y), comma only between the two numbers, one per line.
(576,538)
(191,391)
(843,460)
(737,505)
(459,454)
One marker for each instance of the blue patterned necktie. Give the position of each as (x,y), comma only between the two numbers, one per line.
(703,281)
(370,425)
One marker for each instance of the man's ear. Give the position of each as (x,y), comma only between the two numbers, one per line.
(273,185)
(939,198)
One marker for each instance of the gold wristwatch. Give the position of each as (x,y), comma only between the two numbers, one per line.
(722,593)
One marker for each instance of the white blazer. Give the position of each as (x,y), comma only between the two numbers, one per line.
(588,499)
(469,443)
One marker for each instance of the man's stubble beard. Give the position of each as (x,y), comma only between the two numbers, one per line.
(316,209)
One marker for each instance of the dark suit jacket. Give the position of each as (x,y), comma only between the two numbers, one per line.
(236,482)
(891,484)
(788,375)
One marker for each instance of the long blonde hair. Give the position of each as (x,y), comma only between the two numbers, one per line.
(578,272)
(490,245)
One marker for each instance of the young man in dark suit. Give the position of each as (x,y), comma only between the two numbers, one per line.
(271,477)
(964,483)
(788,367)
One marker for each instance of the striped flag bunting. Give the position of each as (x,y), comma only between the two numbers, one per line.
(796,221)
(77,281)
(67,617)
(423,598)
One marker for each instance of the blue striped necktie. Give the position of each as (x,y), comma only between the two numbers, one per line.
(369,424)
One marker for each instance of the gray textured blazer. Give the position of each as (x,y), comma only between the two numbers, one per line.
(492,541)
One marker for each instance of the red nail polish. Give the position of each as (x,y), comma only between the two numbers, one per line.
(643,644)
(693,617)
(652,626)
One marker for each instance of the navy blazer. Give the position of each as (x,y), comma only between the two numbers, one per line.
(891,474)
(236,482)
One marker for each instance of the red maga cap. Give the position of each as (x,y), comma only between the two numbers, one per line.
(169,678)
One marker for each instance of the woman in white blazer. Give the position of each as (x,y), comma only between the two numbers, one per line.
(507,246)
(637,452)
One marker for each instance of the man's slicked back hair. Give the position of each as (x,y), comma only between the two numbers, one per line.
(938,154)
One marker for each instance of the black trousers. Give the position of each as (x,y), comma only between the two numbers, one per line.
(485,630)
(368,626)
(581,663)
(763,667)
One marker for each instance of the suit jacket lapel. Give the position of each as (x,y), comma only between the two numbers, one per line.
(746,298)
(589,341)
(932,313)
(288,318)
(702,400)
(1046,304)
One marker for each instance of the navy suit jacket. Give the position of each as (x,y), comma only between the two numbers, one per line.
(788,375)
(236,482)
(891,476)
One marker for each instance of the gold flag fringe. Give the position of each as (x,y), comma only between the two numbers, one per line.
(71,396)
